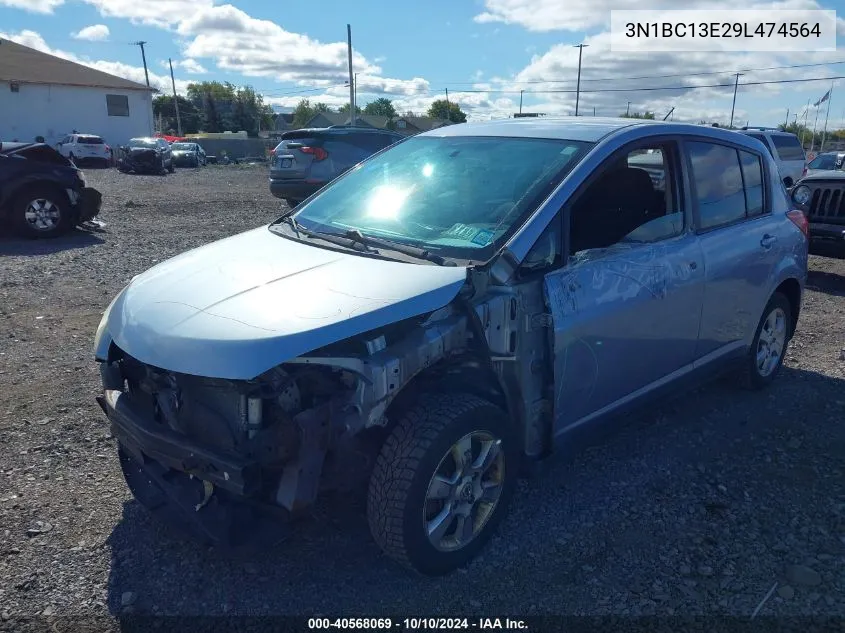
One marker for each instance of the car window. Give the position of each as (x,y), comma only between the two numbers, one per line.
(634,200)
(372,142)
(89,140)
(788,147)
(726,190)
(824,161)
(461,196)
(762,139)
(547,250)
(752,178)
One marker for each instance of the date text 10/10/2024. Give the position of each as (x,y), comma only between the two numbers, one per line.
(414,624)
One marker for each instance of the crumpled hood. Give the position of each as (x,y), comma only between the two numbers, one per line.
(237,307)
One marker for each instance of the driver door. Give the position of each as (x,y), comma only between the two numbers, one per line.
(626,308)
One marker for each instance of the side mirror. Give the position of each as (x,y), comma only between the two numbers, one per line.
(788,182)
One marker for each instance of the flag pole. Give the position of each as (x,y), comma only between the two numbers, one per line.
(804,130)
(815,125)
(826,116)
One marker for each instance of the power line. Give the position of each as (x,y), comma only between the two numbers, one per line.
(701,74)
(657,88)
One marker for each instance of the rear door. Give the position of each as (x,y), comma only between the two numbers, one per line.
(295,155)
(738,236)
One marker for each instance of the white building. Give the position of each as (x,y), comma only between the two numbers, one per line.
(44,95)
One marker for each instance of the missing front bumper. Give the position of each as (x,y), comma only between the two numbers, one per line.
(145,443)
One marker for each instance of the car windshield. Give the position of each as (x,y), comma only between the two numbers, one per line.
(460,196)
(182,146)
(142,142)
(823,161)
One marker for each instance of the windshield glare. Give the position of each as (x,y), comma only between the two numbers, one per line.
(182,146)
(459,196)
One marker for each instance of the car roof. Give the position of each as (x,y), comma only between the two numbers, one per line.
(585,129)
(11,147)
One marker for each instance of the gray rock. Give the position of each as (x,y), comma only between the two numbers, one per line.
(38,528)
(50,610)
(705,570)
(803,575)
(684,570)
(786,592)
(475,604)
(128,598)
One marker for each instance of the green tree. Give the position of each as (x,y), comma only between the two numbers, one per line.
(344,109)
(381,107)
(638,115)
(442,109)
(223,106)
(164,105)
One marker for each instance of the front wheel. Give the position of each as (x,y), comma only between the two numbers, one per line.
(765,357)
(442,482)
(42,212)
(171,168)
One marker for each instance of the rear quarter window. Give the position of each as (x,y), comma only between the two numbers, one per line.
(788,147)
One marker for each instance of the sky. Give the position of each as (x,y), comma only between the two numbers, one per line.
(484,52)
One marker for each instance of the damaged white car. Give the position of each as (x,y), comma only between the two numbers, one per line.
(441,315)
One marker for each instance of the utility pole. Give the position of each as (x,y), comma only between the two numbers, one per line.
(580,48)
(520,101)
(786,120)
(143,57)
(448,107)
(826,117)
(594,110)
(628,109)
(733,106)
(351,76)
(175,98)
(356,92)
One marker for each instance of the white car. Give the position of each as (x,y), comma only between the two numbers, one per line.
(785,148)
(84,147)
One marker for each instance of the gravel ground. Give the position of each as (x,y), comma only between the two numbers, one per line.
(698,506)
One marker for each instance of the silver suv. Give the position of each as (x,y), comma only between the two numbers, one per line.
(453,308)
(306,160)
(785,148)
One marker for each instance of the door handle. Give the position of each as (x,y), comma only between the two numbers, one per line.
(768,240)
(693,265)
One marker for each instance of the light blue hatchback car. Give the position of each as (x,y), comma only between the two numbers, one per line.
(452,307)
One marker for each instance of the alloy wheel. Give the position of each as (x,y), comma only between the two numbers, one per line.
(464,491)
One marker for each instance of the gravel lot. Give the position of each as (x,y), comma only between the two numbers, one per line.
(698,506)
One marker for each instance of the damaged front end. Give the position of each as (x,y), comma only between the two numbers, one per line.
(198,448)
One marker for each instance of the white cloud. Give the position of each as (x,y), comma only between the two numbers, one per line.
(119,69)
(160,13)
(556,15)
(93,33)
(240,43)
(35,6)
(189,65)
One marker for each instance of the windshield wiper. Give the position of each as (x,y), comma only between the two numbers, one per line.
(400,247)
(332,238)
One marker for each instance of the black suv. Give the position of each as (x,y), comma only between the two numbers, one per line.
(306,160)
(42,193)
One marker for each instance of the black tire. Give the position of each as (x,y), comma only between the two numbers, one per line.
(49,197)
(171,168)
(751,375)
(407,463)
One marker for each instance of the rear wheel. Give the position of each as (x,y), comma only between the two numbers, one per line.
(765,358)
(42,212)
(442,482)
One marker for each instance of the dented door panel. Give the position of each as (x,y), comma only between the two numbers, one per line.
(623,319)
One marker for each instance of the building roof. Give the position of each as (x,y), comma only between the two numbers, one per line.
(26,65)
